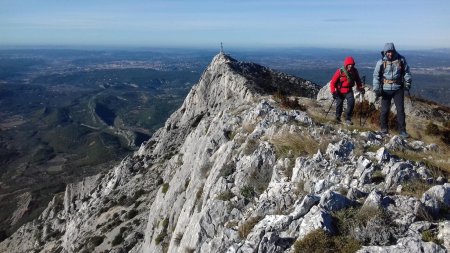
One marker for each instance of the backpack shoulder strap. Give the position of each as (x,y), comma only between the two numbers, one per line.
(350,80)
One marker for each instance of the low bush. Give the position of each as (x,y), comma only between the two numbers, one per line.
(318,241)
(247,192)
(431,236)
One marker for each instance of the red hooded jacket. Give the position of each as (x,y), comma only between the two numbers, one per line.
(340,81)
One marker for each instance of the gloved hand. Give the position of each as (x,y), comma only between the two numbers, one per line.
(407,86)
(377,94)
(335,95)
(362,91)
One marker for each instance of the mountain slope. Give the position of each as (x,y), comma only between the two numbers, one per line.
(235,170)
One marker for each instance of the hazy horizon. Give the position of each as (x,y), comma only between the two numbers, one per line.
(209,48)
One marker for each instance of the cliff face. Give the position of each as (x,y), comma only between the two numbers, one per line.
(234,170)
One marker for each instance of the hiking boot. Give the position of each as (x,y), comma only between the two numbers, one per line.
(384,131)
(404,134)
(348,122)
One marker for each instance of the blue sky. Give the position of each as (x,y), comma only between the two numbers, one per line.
(414,24)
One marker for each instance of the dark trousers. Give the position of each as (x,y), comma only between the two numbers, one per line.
(350,105)
(399,98)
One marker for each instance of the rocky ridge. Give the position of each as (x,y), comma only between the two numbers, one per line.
(233,171)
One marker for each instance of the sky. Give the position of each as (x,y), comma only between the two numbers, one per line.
(413,24)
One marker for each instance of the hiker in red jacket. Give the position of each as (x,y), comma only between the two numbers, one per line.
(341,86)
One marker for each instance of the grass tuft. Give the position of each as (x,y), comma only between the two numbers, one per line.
(247,192)
(294,145)
(247,226)
(415,188)
(225,195)
(318,241)
(431,236)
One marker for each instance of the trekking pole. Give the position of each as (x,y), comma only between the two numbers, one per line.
(361,108)
(362,101)
(410,98)
(329,108)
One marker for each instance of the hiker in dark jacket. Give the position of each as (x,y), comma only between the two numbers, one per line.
(341,86)
(391,78)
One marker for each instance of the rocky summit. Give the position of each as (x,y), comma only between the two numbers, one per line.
(247,165)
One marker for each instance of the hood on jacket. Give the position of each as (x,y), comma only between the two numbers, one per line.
(388,47)
(349,60)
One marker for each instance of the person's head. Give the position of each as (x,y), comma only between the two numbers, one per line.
(389,50)
(349,63)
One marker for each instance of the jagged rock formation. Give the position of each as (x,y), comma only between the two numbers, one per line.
(233,171)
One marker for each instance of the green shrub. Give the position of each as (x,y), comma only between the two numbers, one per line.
(165,188)
(165,223)
(430,236)
(247,192)
(346,244)
(315,242)
(318,241)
